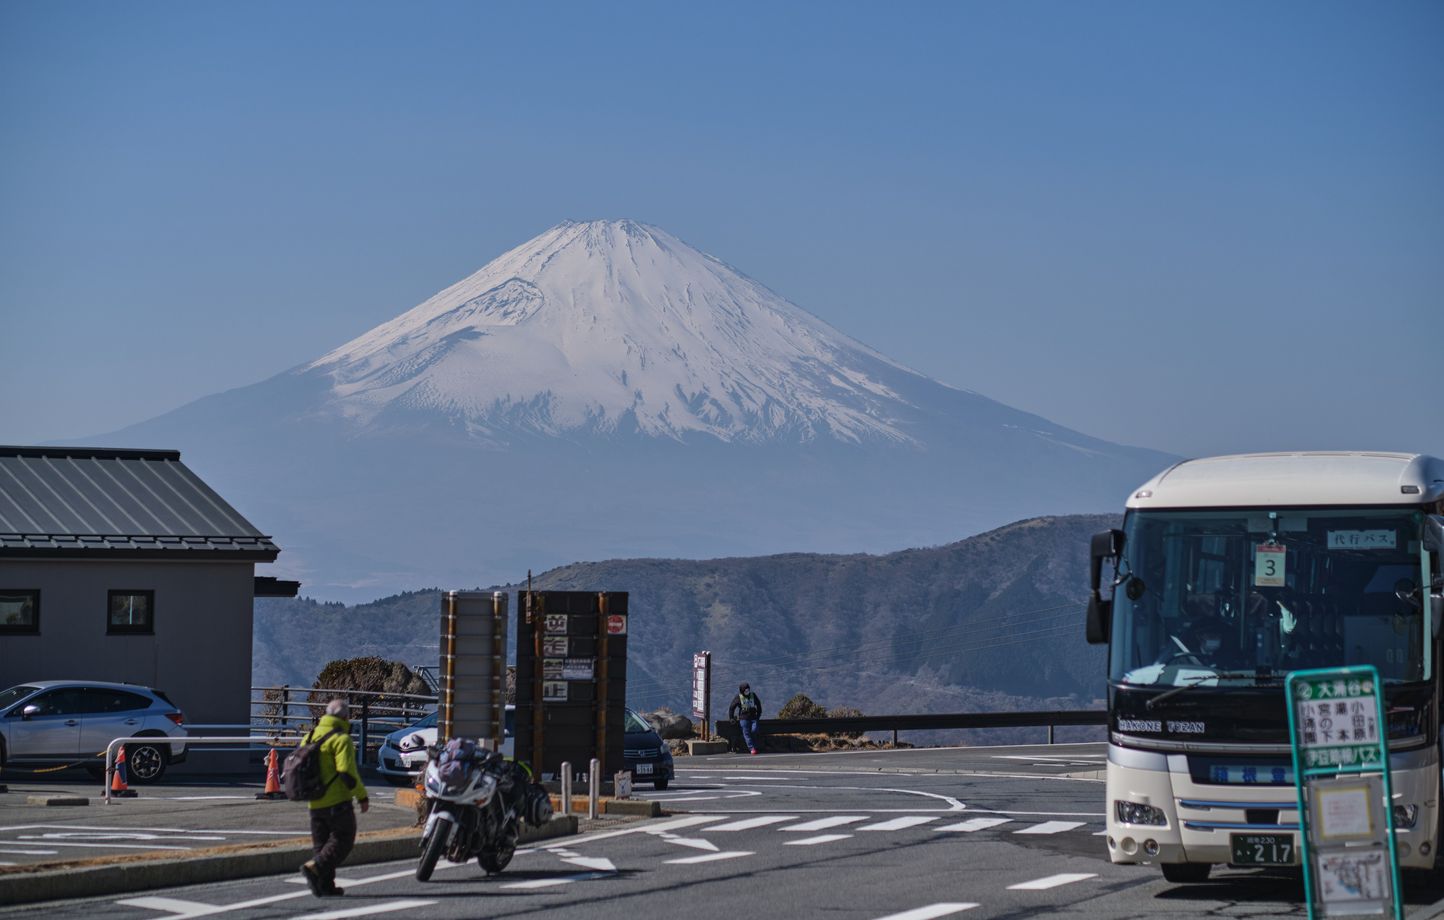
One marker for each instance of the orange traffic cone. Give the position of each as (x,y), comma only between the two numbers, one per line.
(273,778)
(118,788)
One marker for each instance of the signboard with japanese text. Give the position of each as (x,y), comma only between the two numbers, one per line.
(571,680)
(1344,793)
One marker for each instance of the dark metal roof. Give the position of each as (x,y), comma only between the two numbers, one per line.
(85,501)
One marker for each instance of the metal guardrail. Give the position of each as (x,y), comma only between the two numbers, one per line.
(376,713)
(929,722)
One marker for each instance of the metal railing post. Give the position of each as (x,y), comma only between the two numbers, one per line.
(1050,733)
(594,782)
(566,769)
(366,730)
(285,707)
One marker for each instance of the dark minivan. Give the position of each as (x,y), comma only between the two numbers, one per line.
(646,754)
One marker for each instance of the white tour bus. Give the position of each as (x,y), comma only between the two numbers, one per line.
(1230,572)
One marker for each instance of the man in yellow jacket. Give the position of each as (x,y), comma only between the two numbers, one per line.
(333,820)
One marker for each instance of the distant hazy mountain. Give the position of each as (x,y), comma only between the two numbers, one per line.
(606,390)
(991,622)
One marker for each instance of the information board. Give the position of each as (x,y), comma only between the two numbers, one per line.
(571,687)
(1341,771)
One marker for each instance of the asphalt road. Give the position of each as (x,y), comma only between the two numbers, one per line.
(910,835)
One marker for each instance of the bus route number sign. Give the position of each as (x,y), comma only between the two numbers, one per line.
(1268,567)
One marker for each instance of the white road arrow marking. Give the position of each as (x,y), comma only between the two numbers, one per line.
(561,880)
(595,863)
(1052,881)
(366,911)
(707,857)
(1050,827)
(693,842)
(931,912)
(975,824)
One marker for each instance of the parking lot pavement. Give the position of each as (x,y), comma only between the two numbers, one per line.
(173,817)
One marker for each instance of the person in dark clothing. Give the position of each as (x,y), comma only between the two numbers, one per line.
(745,710)
(333,820)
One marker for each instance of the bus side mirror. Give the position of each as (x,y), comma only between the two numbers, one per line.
(1105,545)
(1434,543)
(1434,533)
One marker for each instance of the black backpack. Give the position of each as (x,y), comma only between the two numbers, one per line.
(301,771)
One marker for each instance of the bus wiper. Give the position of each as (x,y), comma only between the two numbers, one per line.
(1258,676)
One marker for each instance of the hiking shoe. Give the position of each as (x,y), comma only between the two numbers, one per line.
(333,892)
(312,875)
(754,750)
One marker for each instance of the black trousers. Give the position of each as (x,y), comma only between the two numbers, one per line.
(333,834)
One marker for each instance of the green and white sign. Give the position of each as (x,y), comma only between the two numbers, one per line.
(1341,780)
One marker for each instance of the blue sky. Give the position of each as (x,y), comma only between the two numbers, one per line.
(1199,227)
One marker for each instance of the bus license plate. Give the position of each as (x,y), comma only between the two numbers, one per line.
(1261,849)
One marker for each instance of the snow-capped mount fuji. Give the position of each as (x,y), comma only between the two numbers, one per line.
(618,326)
(607,390)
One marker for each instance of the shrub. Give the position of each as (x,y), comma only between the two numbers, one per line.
(801,706)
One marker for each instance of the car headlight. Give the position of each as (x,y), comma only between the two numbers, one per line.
(1406,816)
(1136,813)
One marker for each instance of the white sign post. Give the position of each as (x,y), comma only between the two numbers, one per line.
(702,691)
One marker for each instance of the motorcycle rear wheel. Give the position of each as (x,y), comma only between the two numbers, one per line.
(431,849)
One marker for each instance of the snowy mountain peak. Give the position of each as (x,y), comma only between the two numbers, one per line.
(616,325)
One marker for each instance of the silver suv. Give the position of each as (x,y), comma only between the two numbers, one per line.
(73,721)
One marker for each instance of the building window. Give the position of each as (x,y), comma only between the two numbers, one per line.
(19,611)
(131,612)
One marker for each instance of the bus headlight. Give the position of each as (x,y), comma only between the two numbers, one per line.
(1406,816)
(1134,813)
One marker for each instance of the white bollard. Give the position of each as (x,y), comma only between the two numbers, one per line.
(594,782)
(566,770)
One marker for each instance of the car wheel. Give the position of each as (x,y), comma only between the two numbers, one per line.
(144,763)
(660,783)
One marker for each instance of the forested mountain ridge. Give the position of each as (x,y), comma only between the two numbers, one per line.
(994,621)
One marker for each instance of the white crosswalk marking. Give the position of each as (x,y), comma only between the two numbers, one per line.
(975,824)
(369,909)
(1050,827)
(1052,881)
(822,824)
(707,857)
(814,841)
(897,824)
(748,823)
(932,911)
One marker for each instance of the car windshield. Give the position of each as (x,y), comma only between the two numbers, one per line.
(1240,596)
(429,721)
(635,724)
(14,695)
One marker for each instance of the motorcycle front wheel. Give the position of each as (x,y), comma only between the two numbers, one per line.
(431,848)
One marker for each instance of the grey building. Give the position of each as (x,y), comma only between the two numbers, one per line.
(122,565)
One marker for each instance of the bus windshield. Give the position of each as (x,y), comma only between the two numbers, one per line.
(1213,597)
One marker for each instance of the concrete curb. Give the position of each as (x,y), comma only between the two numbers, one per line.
(218,865)
(698,748)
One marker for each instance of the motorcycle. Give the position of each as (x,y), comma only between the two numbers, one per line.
(476,804)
